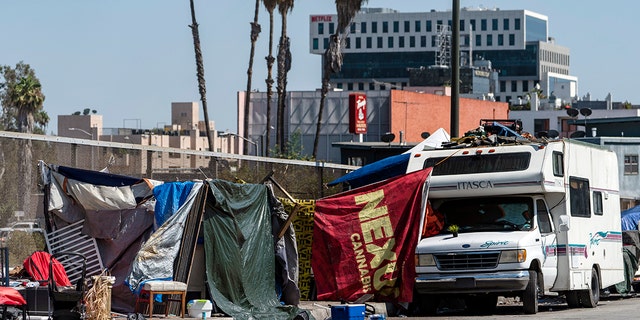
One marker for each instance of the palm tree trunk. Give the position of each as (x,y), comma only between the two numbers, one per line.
(25,170)
(255,31)
(283,62)
(269,81)
(202,88)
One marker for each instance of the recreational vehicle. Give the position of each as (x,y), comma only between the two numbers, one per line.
(521,220)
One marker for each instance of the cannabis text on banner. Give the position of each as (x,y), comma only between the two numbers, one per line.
(364,240)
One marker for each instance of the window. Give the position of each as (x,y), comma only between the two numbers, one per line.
(438,23)
(514,86)
(374,27)
(494,24)
(543,217)
(461,25)
(503,86)
(372,86)
(332,28)
(478,40)
(355,161)
(400,42)
(417,26)
(423,41)
(525,85)
(597,203)
(369,43)
(325,43)
(433,41)
(348,43)
(360,86)
(472,22)
(630,164)
(558,164)
(383,87)
(489,40)
(501,40)
(540,125)
(407,26)
(507,99)
(512,39)
(516,24)
(429,26)
(579,197)
(390,42)
(385,27)
(353,27)
(349,86)
(504,162)
(483,24)
(363,27)
(315,44)
(396,26)
(412,42)
(321,28)
(505,24)
(358,43)
(379,39)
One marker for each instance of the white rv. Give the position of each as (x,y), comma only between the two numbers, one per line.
(533,219)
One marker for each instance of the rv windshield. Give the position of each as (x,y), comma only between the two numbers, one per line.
(488,214)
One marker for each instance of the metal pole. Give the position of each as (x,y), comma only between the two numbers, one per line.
(455,69)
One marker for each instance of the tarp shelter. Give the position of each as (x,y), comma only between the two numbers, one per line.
(391,166)
(630,218)
(118,214)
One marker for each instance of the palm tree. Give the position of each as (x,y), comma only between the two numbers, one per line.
(284,65)
(27,98)
(255,31)
(270,5)
(346,10)
(201,82)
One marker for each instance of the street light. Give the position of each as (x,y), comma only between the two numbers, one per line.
(91,135)
(225,134)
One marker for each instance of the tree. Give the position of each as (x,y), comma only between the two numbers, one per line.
(284,65)
(22,105)
(346,10)
(270,5)
(202,88)
(255,32)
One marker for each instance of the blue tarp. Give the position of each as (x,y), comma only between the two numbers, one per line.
(377,171)
(170,197)
(630,218)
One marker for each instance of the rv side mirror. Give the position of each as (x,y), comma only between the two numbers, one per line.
(564,223)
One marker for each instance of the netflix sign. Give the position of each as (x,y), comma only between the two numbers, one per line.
(357,113)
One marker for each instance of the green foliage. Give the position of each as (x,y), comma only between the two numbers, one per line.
(294,149)
(22,100)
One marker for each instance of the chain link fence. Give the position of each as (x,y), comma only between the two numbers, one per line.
(23,200)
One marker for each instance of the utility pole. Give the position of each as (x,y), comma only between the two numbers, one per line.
(455,69)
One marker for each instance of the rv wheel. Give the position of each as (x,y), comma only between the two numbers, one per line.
(530,294)
(589,298)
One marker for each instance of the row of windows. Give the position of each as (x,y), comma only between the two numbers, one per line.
(554,57)
(349,86)
(411,42)
(394,26)
(555,69)
(514,86)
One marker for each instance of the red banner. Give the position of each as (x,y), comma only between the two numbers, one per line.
(364,240)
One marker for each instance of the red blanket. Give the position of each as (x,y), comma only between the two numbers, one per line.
(11,297)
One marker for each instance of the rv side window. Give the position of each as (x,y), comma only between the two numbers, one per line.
(558,169)
(579,197)
(543,217)
(597,203)
(502,162)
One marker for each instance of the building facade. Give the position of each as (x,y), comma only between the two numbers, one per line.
(382,43)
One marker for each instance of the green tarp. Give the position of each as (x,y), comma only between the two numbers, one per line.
(239,251)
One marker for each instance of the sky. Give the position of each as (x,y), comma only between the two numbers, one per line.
(129,59)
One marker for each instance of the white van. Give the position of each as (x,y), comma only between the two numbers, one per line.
(533,219)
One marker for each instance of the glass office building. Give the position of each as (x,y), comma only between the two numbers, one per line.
(382,44)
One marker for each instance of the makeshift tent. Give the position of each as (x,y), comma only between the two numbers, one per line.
(391,166)
(117,213)
(630,218)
